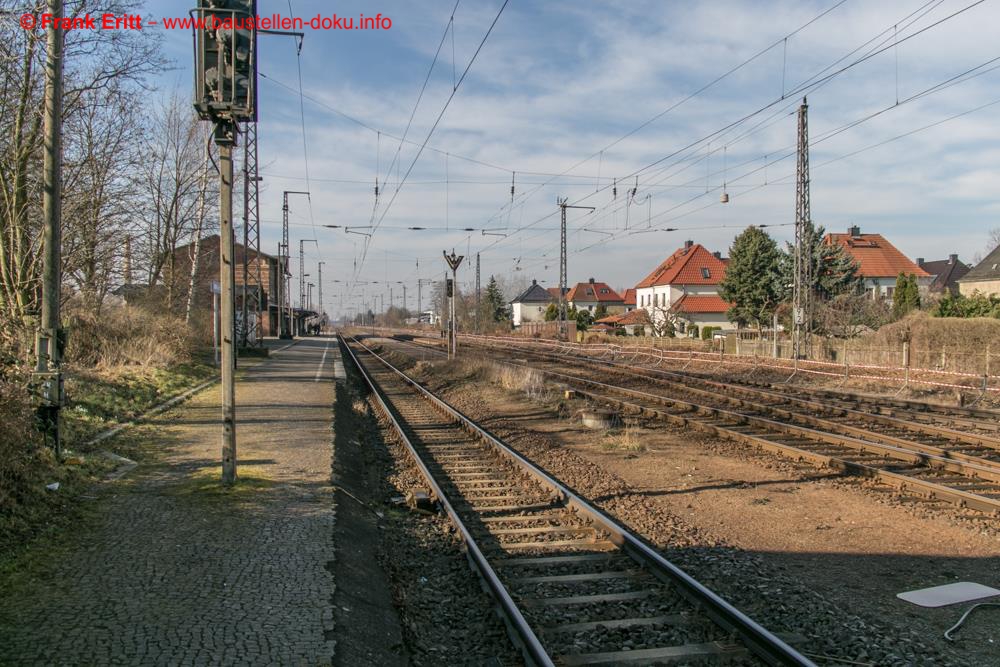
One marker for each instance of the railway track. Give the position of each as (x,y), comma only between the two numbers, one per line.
(953,466)
(573,586)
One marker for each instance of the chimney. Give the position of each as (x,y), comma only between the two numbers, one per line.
(854,231)
(534,282)
(920,262)
(591,281)
(952,259)
(688,244)
(717,254)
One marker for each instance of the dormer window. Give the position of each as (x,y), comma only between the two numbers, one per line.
(705,273)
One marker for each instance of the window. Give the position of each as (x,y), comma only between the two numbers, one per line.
(705,273)
(590,292)
(656,300)
(604,291)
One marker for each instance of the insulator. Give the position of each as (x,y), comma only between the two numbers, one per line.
(614,190)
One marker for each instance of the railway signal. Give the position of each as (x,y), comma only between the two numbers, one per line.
(453,261)
(225,93)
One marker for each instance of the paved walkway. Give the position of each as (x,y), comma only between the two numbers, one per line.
(179,571)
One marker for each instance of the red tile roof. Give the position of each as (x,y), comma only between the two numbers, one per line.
(685,267)
(631,317)
(593,292)
(876,257)
(700,303)
(630,296)
(554,291)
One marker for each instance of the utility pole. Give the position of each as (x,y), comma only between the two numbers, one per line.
(226,137)
(562,262)
(803,279)
(405,311)
(319,289)
(253,305)
(284,298)
(226,94)
(420,301)
(453,261)
(48,349)
(309,297)
(479,298)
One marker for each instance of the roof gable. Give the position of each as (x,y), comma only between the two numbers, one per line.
(693,265)
(946,272)
(875,256)
(534,294)
(988,269)
(593,291)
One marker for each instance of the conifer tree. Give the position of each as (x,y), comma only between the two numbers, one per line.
(752,281)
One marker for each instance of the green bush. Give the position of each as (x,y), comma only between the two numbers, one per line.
(708,331)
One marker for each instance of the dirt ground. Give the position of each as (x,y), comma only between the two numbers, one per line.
(853,543)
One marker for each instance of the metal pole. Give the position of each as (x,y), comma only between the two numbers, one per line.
(302,281)
(227,276)
(253,306)
(405,312)
(319,290)
(47,340)
(420,301)
(562,268)
(802,285)
(286,297)
(479,307)
(282,268)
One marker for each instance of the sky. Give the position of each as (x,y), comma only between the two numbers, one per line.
(578,99)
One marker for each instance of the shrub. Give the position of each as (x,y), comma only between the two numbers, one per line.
(708,331)
(25,464)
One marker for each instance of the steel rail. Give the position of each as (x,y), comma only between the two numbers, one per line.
(681,381)
(928,489)
(752,388)
(925,488)
(760,641)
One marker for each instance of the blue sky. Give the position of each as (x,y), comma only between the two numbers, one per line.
(559,81)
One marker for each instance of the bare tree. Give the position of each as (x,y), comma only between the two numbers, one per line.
(101,154)
(992,242)
(98,66)
(174,191)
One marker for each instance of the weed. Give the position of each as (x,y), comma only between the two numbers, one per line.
(625,439)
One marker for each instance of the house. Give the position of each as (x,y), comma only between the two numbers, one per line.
(983,277)
(879,262)
(946,272)
(629,299)
(590,295)
(531,304)
(684,288)
(629,321)
(177,278)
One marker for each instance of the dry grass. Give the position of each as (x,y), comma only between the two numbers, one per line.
(124,336)
(526,380)
(624,439)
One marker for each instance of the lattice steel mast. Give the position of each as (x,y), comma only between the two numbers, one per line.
(802,287)
(251,334)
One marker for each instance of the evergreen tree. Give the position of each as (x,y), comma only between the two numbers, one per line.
(906,296)
(494,303)
(752,282)
(834,270)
